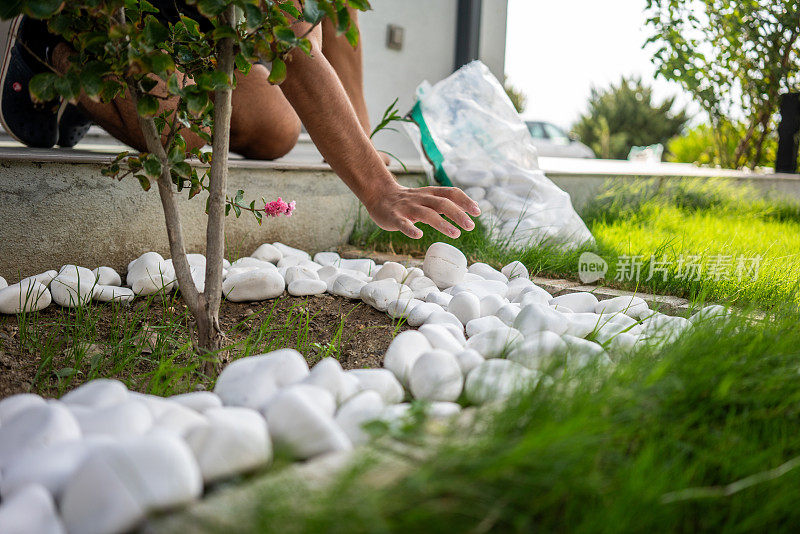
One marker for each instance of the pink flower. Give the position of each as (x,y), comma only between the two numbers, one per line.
(276,208)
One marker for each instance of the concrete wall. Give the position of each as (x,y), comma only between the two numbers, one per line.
(428,53)
(53,213)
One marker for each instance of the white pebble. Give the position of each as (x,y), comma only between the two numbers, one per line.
(252,381)
(536,318)
(103,293)
(403,352)
(199,401)
(538,350)
(497,379)
(329,375)
(441,338)
(392,270)
(97,393)
(267,252)
(444,264)
(436,376)
(106,276)
(36,427)
(24,297)
(30,511)
(347,286)
(382,381)
(304,288)
(356,412)
(380,293)
(465,306)
(401,307)
(468,359)
(327,258)
(260,284)
(495,343)
(286,250)
(629,305)
(515,270)
(11,406)
(580,302)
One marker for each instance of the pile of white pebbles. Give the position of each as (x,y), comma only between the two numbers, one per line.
(102,458)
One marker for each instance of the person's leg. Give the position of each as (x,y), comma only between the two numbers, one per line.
(349,66)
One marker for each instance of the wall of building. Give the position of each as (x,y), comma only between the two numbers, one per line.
(427,54)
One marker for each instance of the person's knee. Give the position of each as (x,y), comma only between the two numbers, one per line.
(268,142)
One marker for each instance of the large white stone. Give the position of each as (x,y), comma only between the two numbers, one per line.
(150,273)
(444,264)
(43,278)
(422,286)
(445,318)
(380,293)
(468,359)
(328,274)
(421,312)
(465,306)
(537,318)
(402,307)
(50,467)
(235,441)
(3,283)
(381,381)
(72,292)
(581,302)
(439,297)
(300,428)
(329,375)
(300,273)
(267,252)
(711,313)
(538,350)
(178,419)
(97,393)
(436,376)
(364,265)
(508,313)
(487,272)
(481,288)
(347,286)
(327,258)
(583,323)
(582,352)
(118,485)
(305,288)
(533,295)
(103,293)
(11,406)
(514,270)
(199,401)
(289,261)
(260,284)
(252,381)
(413,272)
(106,276)
(496,343)
(75,272)
(403,352)
(356,412)
(36,427)
(482,324)
(516,286)
(286,250)
(441,338)
(24,297)
(392,270)
(497,379)
(30,511)
(629,305)
(491,303)
(125,419)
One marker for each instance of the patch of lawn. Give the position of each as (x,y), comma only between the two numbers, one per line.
(700,435)
(709,241)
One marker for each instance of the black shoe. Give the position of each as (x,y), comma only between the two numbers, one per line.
(72,126)
(26,54)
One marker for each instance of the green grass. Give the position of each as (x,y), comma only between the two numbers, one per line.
(725,230)
(684,437)
(147,345)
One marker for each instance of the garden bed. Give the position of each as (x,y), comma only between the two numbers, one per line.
(146,345)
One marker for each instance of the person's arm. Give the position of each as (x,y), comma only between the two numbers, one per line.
(319,99)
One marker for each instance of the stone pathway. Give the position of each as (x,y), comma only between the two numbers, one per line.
(102,459)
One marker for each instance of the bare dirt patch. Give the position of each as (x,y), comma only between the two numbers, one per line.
(147,344)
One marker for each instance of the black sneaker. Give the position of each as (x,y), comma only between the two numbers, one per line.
(26,54)
(72,126)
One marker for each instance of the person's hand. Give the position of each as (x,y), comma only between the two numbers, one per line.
(401,207)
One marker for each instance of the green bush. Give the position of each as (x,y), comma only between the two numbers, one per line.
(703,145)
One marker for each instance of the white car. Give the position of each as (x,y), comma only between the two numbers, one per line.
(553,142)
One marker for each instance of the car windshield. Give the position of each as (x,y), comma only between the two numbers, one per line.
(556,134)
(536,129)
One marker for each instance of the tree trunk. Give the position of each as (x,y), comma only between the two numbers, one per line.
(210,335)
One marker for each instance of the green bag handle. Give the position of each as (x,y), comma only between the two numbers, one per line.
(429,147)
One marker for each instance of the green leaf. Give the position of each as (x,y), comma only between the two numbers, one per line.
(197,102)
(224,32)
(243,64)
(147,106)
(182,169)
(289,9)
(219,80)
(285,34)
(152,167)
(161,63)
(42,87)
(155,32)
(361,5)
(173,85)
(311,12)
(352,35)
(278,73)
(211,8)
(175,155)
(143,181)
(41,9)
(254,17)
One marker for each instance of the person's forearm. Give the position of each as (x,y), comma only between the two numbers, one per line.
(320,101)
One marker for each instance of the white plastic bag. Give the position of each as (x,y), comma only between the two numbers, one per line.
(473,138)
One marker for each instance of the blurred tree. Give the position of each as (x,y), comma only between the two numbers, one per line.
(705,145)
(623,116)
(518,98)
(734,57)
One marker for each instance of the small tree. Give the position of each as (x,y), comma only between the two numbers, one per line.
(122,49)
(623,116)
(516,95)
(734,57)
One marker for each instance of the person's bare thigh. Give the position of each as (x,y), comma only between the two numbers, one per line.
(263,123)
